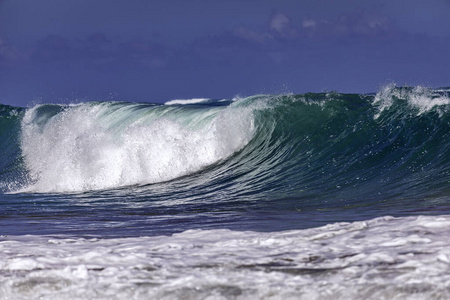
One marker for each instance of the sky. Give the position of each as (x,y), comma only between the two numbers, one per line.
(54,51)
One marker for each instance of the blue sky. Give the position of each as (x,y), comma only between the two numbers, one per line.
(136,50)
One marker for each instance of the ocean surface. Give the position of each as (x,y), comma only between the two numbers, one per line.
(311,196)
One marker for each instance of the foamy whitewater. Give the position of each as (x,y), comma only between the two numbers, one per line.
(312,196)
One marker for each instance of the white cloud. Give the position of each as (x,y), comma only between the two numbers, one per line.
(281,25)
(309,23)
(356,23)
(250,35)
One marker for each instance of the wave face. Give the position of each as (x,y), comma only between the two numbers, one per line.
(108,145)
(313,150)
(11,168)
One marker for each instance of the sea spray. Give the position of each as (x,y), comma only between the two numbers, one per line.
(106,145)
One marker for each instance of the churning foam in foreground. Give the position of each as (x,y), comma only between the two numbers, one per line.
(103,146)
(384,258)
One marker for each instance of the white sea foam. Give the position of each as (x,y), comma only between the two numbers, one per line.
(424,99)
(421,98)
(186,101)
(101,146)
(384,258)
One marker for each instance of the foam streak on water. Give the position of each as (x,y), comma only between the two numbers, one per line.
(186,101)
(384,258)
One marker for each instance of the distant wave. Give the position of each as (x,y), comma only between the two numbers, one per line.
(186,101)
